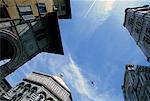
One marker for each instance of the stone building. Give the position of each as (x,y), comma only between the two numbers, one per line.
(136,86)
(137,22)
(39,87)
(29,27)
(4,86)
(16,8)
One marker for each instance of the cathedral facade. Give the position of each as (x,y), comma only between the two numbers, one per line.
(39,87)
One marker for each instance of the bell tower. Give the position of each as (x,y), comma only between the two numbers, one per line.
(28,28)
(28,38)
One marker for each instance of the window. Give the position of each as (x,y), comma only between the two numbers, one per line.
(144,97)
(139,23)
(42,8)
(148,29)
(147,39)
(14,91)
(18,87)
(130,21)
(4,87)
(25,10)
(146,77)
(14,98)
(19,96)
(55,8)
(41,96)
(33,90)
(22,83)
(137,30)
(148,93)
(26,88)
(50,99)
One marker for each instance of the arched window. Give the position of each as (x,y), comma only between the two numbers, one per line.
(130,21)
(41,96)
(19,86)
(21,83)
(19,96)
(148,29)
(49,99)
(14,98)
(26,88)
(32,91)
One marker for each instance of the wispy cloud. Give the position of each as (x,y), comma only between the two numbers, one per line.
(95,15)
(81,83)
(73,73)
(91,6)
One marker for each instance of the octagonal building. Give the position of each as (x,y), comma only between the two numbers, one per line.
(39,87)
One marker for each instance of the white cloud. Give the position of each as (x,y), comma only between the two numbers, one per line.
(81,83)
(98,12)
(91,6)
(94,16)
(72,73)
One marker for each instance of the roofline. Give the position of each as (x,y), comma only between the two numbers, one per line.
(53,79)
(71,97)
(138,68)
(143,68)
(125,17)
(62,87)
(41,85)
(131,8)
(7,83)
(125,74)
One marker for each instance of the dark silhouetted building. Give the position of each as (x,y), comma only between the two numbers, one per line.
(29,27)
(137,22)
(136,86)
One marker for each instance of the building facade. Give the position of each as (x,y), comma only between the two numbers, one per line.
(29,27)
(16,8)
(39,87)
(136,86)
(4,86)
(22,40)
(137,22)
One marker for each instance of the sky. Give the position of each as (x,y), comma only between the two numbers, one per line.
(97,47)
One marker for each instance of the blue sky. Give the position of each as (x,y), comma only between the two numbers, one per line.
(97,47)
